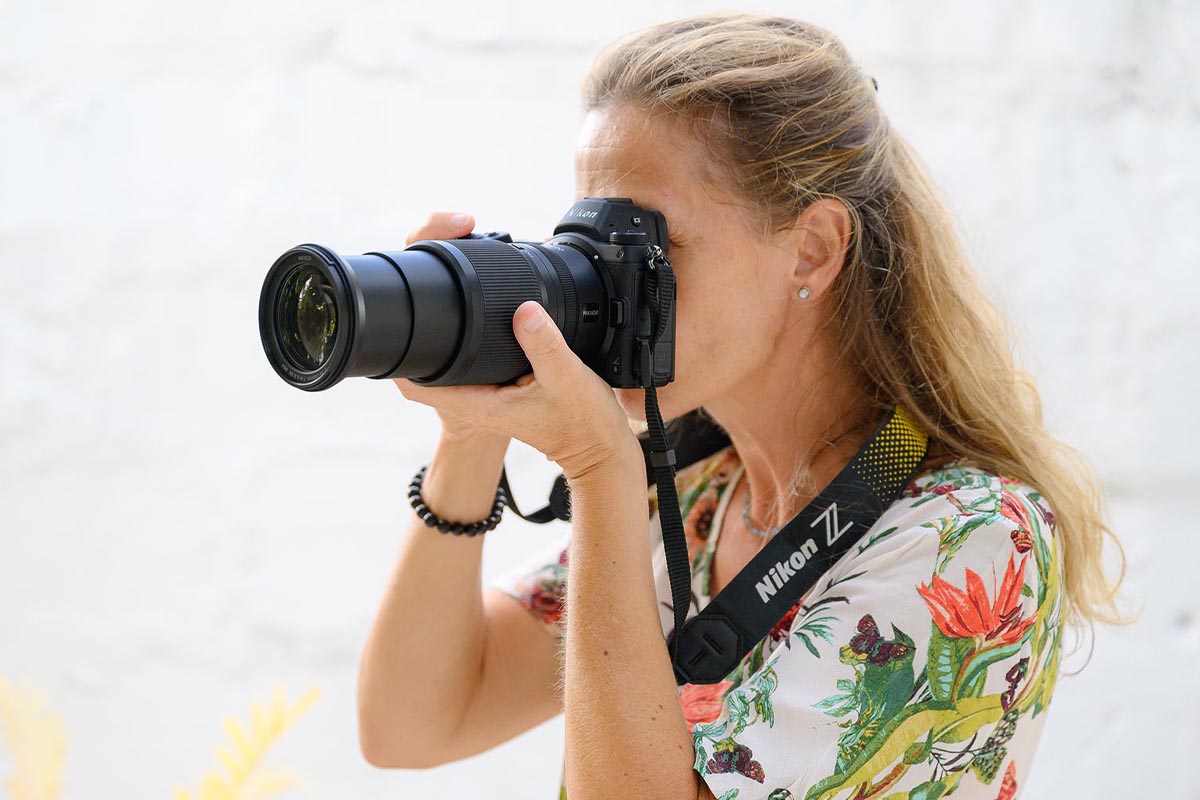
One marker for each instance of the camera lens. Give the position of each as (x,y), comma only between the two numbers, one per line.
(307,316)
(438,313)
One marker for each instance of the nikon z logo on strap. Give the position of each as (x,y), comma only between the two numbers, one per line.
(832,531)
(783,571)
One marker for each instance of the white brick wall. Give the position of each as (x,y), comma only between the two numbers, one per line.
(157,158)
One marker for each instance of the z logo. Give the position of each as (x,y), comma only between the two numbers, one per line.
(832,530)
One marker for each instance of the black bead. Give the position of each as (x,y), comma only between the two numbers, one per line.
(459,528)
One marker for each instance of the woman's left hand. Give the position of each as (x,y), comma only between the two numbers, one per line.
(562,408)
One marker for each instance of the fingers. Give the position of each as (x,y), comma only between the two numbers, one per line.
(553,362)
(442,225)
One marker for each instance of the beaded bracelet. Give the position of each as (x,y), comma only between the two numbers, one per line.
(460,528)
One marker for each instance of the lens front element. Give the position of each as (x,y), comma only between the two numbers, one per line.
(307,318)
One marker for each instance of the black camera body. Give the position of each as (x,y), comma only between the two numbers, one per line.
(439,313)
(621,238)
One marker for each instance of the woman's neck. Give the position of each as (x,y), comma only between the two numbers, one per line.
(791,419)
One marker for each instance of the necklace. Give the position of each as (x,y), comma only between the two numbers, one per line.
(759,532)
(750,526)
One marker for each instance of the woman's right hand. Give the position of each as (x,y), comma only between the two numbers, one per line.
(450,225)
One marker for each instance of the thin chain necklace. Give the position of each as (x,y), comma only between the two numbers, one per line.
(754,529)
(750,526)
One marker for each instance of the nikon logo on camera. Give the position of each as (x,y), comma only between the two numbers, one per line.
(578,212)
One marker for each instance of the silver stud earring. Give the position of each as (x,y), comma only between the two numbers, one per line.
(803,293)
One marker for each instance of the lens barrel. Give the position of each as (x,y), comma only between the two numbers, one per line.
(438,313)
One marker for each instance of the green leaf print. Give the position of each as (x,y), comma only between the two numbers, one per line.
(953,533)
(918,752)
(929,790)
(980,661)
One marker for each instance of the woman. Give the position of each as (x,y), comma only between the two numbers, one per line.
(820,283)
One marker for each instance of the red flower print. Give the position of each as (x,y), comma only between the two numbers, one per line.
(547,600)
(702,701)
(959,613)
(1008,784)
(698,523)
(785,622)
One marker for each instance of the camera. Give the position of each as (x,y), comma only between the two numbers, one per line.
(439,312)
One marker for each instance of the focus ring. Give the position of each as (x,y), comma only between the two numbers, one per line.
(570,297)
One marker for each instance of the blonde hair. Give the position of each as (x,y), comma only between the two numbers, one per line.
(786,117)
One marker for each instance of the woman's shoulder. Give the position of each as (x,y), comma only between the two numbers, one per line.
(970,511)
(966,487)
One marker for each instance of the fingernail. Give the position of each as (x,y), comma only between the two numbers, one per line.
(535,320)
(460,220)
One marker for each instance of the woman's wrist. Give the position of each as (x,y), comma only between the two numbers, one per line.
(605,465)
(480,440)
(460,484)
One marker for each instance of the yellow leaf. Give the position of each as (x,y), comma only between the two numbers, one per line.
(37,741)
(245,779)
(267,785)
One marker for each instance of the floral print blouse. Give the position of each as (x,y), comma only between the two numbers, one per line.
(921,664)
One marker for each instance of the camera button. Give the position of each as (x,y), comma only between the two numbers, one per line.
(616,312)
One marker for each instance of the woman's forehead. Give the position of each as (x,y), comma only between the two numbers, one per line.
(624,154)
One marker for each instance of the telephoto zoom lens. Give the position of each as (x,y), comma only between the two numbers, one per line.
(438,313)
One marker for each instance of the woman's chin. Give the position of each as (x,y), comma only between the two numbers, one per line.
(633,401)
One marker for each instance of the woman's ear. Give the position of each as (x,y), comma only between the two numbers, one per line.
(821,238)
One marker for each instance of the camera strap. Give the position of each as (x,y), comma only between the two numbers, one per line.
(712,643)
(706,648)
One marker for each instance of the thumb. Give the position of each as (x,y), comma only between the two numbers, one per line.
(542,342)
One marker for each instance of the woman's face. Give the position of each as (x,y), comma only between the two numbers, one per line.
(733,292)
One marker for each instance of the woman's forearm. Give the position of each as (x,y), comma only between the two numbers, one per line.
(422,658)
(626,734)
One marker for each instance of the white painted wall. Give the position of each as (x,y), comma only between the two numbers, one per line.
(155,571)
